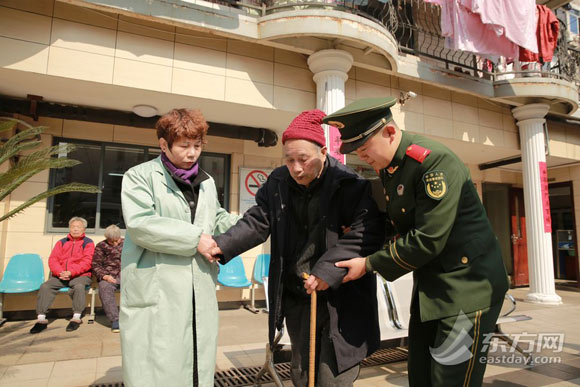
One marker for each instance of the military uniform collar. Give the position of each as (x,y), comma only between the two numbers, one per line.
(406,140)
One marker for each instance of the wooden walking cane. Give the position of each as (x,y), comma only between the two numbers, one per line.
(312,349)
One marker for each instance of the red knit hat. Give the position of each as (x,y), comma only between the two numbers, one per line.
(306,126)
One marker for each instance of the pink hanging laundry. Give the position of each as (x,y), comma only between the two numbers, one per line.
(488,27)
(516,20)
(470,34)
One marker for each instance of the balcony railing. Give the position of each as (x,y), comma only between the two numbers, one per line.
(418,30)
(416,27)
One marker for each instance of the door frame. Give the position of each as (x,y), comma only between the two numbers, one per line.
(523,249)
(576,261)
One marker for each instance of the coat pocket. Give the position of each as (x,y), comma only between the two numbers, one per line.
(140,287)
(464,256)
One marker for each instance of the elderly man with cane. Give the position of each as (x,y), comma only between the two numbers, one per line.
(317,212)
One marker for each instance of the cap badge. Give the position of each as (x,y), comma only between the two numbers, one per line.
(391,170)
(400,189)
(336,124)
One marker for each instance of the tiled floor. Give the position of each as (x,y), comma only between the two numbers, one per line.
(91,355)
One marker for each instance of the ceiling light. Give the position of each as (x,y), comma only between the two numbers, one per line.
(145,110)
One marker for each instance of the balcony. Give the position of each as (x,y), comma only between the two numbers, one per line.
(400,37)
(415,25)
(357,26)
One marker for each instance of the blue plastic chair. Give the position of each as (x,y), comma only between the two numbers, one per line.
(24,273)
(233,274)
(261,268)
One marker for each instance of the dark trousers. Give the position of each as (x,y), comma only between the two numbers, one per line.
(50,288)
(107,294)
(448,352)
(297,314)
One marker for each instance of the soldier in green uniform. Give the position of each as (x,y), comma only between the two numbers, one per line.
(439,231)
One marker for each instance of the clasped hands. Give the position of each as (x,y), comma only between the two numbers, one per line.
(209,248)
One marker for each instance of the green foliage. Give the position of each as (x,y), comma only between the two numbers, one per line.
(32,162)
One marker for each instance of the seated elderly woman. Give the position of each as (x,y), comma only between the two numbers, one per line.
(107,269)
(70,266)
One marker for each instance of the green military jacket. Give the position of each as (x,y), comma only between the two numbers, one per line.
(440,232)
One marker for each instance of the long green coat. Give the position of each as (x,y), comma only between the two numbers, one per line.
(162,275)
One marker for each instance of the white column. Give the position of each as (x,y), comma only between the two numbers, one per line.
(531,123)
(330,68)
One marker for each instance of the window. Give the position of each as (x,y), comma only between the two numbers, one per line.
(104,164)
(573,16)
(116,160)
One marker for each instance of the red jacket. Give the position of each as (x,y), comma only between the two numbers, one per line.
(547,34)
(74,255)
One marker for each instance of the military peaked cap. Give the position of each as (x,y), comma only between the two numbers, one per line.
(359,120)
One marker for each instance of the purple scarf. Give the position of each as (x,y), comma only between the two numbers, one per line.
(183,174)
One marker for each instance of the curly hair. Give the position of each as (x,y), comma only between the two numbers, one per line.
(182,123)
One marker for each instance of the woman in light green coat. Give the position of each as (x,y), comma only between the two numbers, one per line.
(169,314)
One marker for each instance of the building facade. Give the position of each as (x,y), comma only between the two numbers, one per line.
(85,68)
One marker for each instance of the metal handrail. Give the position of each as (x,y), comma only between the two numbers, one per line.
(393,313)
(512,306)
(535,73)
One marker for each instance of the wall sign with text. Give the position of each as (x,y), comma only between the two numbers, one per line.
(545,197)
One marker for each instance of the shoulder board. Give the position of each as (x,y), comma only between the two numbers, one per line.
(417,152)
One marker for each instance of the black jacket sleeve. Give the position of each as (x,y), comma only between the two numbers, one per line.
(250,231)
(366,235)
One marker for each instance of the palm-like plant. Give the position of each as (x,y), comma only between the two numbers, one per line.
(31,163)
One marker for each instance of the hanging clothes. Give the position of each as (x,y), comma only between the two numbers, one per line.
(470,34)
(546,36)
(488,27)
(516,20)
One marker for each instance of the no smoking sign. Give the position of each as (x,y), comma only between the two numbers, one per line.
(250,182)
(255,180)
